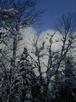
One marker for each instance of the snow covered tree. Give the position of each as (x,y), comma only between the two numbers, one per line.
(14,15)
(24,81)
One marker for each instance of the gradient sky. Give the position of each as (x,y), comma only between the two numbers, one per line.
(53,9)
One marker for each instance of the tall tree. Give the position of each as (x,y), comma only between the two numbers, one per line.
(26,78)
(14,15)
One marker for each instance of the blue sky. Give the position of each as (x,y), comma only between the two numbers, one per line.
(53,9)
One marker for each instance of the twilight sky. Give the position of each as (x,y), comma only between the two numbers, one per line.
(53,9)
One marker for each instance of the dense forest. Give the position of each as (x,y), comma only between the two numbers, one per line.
(25,76)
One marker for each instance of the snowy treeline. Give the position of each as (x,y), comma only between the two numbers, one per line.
(25,77)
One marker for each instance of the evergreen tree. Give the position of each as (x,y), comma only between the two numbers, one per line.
(24,80)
